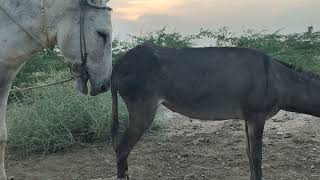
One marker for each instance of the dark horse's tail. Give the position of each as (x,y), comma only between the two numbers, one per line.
(115,117)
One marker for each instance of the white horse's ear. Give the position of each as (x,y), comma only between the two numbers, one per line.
(98,1)
(109,8)
(99,4)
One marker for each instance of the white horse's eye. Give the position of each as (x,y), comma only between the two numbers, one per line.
(104,35)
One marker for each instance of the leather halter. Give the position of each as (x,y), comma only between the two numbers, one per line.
(83,46)
(83,69)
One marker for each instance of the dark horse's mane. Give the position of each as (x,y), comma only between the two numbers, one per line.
(306,73)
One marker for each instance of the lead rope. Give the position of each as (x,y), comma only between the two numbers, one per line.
(17,89)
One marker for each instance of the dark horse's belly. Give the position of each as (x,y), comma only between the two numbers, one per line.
(205,112)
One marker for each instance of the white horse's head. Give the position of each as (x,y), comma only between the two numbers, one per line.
(97,32)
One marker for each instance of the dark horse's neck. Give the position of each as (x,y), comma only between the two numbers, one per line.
(300,91)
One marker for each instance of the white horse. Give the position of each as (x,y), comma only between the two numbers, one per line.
(28,25)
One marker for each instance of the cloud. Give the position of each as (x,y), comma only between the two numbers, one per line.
(188,16)
(133,10)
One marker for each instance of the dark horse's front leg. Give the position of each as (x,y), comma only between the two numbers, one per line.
(254,132)
(141,115)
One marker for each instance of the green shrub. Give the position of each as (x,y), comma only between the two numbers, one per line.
(53,118)
(299,49)
(162,38)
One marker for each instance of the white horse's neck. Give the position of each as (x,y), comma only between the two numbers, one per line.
(15,45)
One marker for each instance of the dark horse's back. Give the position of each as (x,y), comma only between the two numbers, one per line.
(208,83)
(203,83)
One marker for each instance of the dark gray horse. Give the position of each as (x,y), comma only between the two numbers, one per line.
(208,84)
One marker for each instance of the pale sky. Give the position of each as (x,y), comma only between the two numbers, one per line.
(188,16)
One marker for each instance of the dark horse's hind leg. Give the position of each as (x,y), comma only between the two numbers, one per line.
(254,132)
(248,142)
(141,115)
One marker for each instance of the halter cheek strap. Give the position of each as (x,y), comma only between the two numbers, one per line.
(83,45)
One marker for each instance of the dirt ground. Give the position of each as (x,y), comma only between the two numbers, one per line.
(187,149)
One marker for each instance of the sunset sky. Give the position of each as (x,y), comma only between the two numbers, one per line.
(188,16)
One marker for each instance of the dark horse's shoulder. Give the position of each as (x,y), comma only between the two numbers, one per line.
(144,56)
(136,64)
(145,48)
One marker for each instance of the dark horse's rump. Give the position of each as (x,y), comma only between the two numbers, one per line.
(206,83)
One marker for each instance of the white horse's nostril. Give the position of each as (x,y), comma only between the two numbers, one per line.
(106,86)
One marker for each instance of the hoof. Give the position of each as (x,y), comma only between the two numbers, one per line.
(11,178)
(126,178)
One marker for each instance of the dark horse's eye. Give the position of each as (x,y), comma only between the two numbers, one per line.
(104,35)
